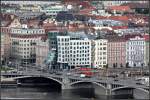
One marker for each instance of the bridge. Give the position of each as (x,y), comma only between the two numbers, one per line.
(101,85)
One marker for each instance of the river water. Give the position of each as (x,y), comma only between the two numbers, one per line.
(45,93)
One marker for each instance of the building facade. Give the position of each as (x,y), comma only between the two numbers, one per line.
(42,49)
(2,49)
(135,51)
(53,10)
(99,53)
(74,52)
(147,53)
(23,44)
(6,42)
(116,52)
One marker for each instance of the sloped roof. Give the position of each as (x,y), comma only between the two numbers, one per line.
(119,8)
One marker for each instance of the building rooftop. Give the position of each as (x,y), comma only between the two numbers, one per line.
(119,8)
(64,16)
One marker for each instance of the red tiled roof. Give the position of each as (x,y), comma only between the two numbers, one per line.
(119,8)
(127,37)
(116,39)
(85,4)
(119,18)
(119,27)
(86,11)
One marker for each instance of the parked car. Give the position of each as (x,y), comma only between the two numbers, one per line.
(82,75)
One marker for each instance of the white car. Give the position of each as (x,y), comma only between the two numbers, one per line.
(82,75)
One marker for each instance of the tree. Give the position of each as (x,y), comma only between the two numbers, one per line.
(148,64)
(127,65)
(121,65)
(114,65)
(106,66)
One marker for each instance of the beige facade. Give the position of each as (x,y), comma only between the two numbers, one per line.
(99,53)
(6,42)
(2,48)
(23,44)
(42,49)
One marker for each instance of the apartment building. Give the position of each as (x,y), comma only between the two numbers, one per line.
(99,53)
(135,51)
(116,52)
(23,44)
(74,51)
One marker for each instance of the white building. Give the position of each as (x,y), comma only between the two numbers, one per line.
(23,44)
(99,53)
(135,51)
(75,52)
(114,3)
(52,10)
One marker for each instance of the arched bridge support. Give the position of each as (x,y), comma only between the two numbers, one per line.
(139,93)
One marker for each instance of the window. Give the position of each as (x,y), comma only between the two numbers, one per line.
(104,53)
(104,48)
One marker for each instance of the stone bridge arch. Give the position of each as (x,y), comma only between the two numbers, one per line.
(122,87)
(78,82)
(99,88)
(137,93)
(59,82)
(140,93)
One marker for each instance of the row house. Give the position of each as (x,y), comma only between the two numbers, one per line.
(135,52)
(116,52)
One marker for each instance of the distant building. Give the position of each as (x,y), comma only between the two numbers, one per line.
(42,49)
(64,16)
(23,44)
(113,3)
(99,53)
(119,10)
(52,37)
(53,10)
(6,42)
(116,51)
(30,7)
(28,15)
(135,51)
(74,50)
